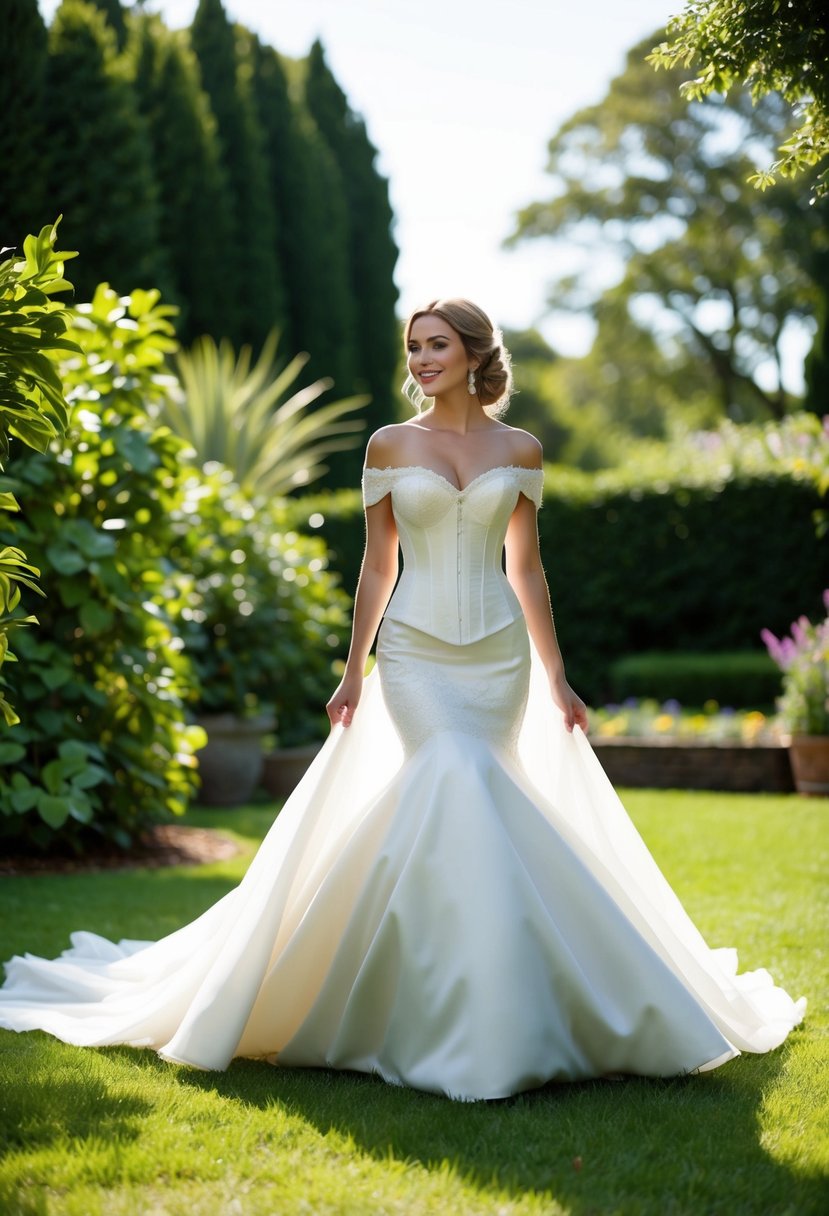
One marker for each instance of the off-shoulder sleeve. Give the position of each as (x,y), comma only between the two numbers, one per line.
(377,483)
(531,483)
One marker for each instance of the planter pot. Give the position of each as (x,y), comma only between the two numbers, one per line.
(230,766)
(284,768)
(809,755)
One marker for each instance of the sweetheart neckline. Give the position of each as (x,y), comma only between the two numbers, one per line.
(424,468)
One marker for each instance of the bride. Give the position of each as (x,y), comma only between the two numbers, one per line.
(453,898)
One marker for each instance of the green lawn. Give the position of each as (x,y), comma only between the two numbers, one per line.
(118,1131)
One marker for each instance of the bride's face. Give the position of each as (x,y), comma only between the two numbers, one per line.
(437,356)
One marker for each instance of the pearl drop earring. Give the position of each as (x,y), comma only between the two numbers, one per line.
(470,382)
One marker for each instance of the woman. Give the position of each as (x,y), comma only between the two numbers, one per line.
(453,898)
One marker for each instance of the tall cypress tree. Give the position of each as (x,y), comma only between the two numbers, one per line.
(23,202)
(227,79)
(194,203)
(307,189)
(116,20)
(287,177)
(99,164)
(326,304)
(373,253)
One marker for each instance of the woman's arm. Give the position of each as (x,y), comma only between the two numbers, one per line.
(526,575)
(374,587)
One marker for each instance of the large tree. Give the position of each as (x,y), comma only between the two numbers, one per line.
(227,78)
(769,46)
(116,19)
(655,184)
(194,202)
(98,160)
(373,253)
(23,203)
(287,180)
(326,307)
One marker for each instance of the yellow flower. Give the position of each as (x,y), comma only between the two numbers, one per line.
(613,726)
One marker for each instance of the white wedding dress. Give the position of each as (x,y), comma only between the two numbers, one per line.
(453,898)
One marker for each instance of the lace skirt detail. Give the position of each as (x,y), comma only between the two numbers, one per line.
(431,686)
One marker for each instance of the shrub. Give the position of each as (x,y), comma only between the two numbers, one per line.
(677,568)
(742,679)
(105,749)
(261,616)
(240,416)
(337,517)
(33,409)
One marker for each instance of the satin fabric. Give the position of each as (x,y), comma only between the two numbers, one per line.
(452,586)
(453,898)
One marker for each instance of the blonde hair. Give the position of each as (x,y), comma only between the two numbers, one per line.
(482,342)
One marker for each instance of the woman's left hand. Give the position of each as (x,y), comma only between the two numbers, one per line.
(569,702)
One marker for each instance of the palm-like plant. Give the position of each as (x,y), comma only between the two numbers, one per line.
(238,413)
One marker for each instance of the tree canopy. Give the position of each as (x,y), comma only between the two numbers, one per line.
(227,80)
(193,192)
(770,46)
(97,156)
(708,276)
(200,161)
(22,194)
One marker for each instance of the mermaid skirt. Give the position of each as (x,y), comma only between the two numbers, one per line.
(453,898)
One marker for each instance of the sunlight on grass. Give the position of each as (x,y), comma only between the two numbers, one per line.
(117,1131)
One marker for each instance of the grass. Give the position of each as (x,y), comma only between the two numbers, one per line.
(118,1131)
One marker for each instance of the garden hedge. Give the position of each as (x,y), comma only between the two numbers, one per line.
(662,568)
(744,679)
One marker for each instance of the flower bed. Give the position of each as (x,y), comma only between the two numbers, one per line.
(642,743)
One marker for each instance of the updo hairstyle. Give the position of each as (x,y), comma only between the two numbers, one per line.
(482,342)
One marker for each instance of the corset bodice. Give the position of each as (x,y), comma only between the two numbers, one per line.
(453,586)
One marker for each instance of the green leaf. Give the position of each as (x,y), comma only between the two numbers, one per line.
(95,617)
(55,677)
(53,810)
(80,808)
(52,776)
(10,753)
(23,798)
(91,776)
(65,561)
(73,749)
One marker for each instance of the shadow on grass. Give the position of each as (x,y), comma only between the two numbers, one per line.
(61,1100)
(639,1145)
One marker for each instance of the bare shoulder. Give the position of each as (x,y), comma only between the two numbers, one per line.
(525,449)
(387,446)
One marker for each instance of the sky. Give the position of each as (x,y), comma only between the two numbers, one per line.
(460,98)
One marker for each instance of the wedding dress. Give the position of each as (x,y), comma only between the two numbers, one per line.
(453,898)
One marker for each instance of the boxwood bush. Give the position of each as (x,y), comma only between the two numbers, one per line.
(740,679)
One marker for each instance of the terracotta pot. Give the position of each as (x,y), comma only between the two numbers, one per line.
(284,768)
(809,755)
(230,766)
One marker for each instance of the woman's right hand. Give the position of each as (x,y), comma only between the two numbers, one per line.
(341,707)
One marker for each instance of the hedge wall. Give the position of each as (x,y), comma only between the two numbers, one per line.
(675,568)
